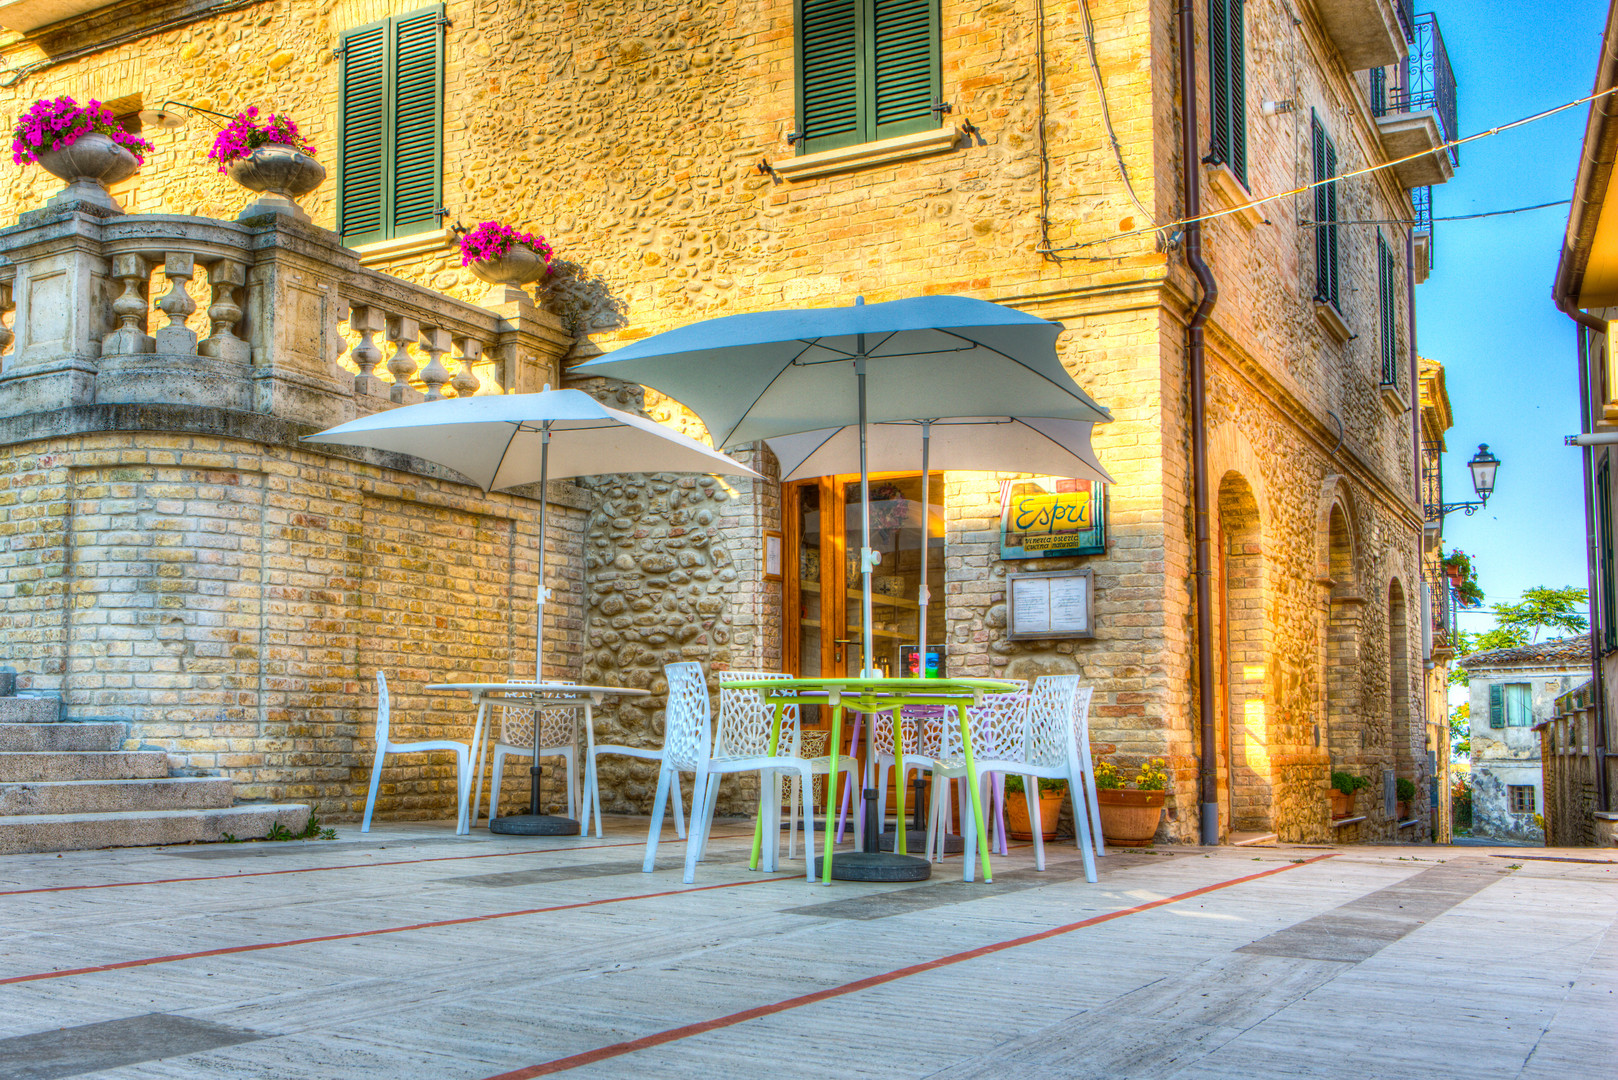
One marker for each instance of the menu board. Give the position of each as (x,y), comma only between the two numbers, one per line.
(1049,605)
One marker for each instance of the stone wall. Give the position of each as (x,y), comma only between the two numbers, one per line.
(233,593)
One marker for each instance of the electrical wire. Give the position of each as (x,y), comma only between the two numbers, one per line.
(1447,217)
(1106,112)
(1175,225)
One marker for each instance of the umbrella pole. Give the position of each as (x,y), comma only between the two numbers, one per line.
(867,556)
(926,551)
(543,593)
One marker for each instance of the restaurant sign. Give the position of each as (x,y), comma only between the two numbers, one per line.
(1045,517)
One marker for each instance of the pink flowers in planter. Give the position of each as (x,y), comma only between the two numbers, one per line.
(245,134)
(492,240)
(57,125)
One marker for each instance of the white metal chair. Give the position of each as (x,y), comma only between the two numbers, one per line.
(558,737)
(1048,750)
(745,720)
(592,788)
(687,747)
(997,723)
(914,720)
(385,746)
(1081,740)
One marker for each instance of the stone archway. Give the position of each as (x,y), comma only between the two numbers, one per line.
(1243,635)
(1342,716)
(1404,729)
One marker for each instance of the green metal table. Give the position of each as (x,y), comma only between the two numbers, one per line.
(869,696)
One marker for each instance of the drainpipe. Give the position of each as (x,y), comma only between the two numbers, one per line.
(1190,163)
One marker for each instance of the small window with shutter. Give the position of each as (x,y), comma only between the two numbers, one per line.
(390,155)
(867,70)
(1511,705)
(1324,153)
(1227,67)
(1387,279)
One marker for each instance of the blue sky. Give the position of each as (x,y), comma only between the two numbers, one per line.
(1486,311)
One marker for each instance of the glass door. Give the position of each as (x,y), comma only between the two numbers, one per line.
(902,538)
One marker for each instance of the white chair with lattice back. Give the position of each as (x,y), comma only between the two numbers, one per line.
(1081,740)
(912,720)
(745,720)
(997,723)
(688,747)
(385,746)
(592,787)
(558,737)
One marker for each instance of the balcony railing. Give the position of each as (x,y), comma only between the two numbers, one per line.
(1421,199)
(270,317)
(1425,81)
(1441,601)
(1406,10)
(1432,482)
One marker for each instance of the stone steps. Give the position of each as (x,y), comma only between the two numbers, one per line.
(67,785)
(112,796)
(20,833)
(42,738)
(83,765)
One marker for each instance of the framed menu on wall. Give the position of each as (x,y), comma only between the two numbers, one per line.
(1048,516)
(1050,605)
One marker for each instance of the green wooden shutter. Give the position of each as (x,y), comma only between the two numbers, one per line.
(1333,263)
(1238,91)
(906,79)
(830,105)
(1387,298)
(362,153)
(1325,167)
(418,81)
(1497,712)
(1227,68)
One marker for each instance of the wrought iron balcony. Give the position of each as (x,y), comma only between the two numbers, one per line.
(1441,610)
(1415,104)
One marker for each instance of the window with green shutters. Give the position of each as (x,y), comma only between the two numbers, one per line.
(1511,705)
(1324,153)
(390,155)
(867,70)
(1227,67)
(1387,278)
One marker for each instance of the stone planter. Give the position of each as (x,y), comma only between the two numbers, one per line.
(519,266)
(1018,826)
(281,174)
(91,163)
(1342,805)
(1130,818)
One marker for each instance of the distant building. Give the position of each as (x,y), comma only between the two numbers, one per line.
(1512,691)
(1568,761)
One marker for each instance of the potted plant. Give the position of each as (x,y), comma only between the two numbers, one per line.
(1457,566)
(1051,794)
(1343,787)
(1129,818)
(269,158)
(1405,791)
(500,255)
(81,144)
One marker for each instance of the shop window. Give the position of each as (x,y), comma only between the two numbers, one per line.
(867,70)
(1521,797)
(390,155)
(1227,66)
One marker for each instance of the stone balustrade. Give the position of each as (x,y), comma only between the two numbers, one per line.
(104,310)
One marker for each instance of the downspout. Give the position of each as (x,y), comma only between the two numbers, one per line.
(1208,779)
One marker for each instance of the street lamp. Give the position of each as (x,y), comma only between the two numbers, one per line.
(1483,466)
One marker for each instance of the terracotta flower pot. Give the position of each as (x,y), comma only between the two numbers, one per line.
(1130,818)
(1050,809)
(88,165)
(1404,809)
(1342,805)
(281,174)
(519,266)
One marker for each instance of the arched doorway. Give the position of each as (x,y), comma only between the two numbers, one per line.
(1404,733)
(1243,636)
(1344,736)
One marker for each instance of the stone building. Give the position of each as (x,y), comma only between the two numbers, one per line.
(1586,290)
(693,160)
(1511,691)
(1437,599)
(1573,817)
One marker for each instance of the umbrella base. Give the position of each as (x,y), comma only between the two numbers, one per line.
(876,866)
(538,825)
(916,840)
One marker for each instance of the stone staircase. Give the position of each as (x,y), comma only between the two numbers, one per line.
(65,786)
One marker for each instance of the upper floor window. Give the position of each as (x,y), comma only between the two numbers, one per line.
(1387,292)
(867,70)
(391,140)
(1326,255)
(1511,705)
(1227,68)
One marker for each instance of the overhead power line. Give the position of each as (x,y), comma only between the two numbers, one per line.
(1182,222)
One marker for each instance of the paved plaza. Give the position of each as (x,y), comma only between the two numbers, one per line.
(414,953)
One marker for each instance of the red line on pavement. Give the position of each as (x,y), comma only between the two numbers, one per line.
(233,949)
(604,1053)
(344,866)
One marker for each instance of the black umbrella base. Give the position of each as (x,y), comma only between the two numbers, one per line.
(916,840)
(820,825)
(875,866)
(539,825)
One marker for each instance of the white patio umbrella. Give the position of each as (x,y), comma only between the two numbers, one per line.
(506,440)
(1020,444)
(776,373)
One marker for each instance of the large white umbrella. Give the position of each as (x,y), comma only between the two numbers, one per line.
(774,373)
(507,440)
(1019,444)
